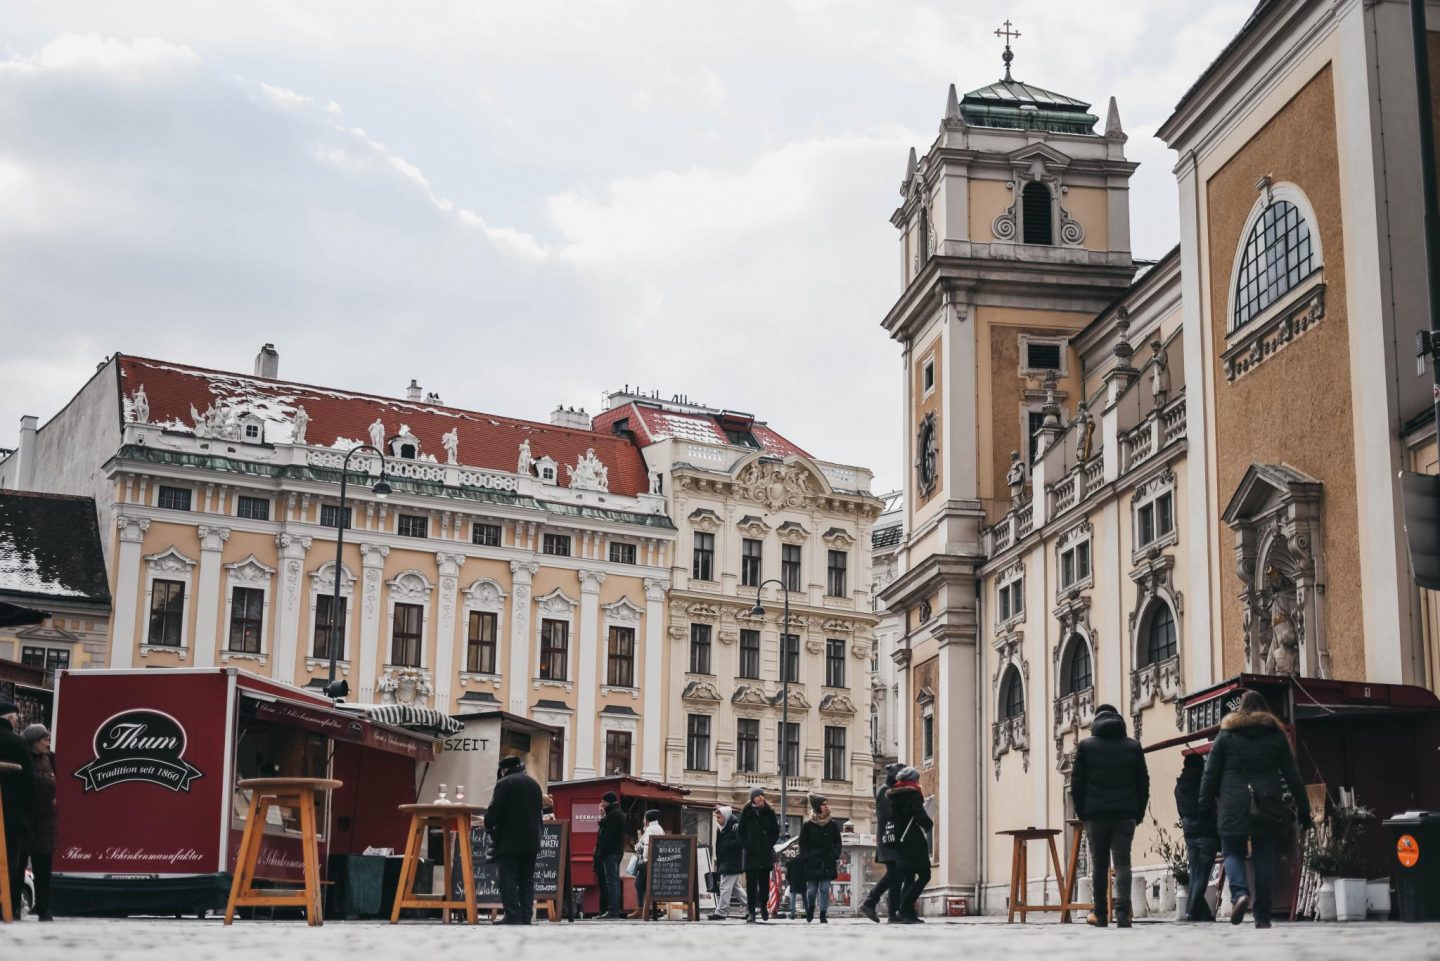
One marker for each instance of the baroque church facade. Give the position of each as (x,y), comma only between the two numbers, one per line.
(1124,482)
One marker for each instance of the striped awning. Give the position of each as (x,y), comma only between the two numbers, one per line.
(412,717)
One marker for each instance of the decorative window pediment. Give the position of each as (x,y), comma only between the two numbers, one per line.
(249,571)
(797,698)
(792,532)
(322,579)
(556,604)
(752,526)
(169,561)
(839,538)
(701,690)
(485,593)
(837,704)
(410,585)
(704,519)
(622,612)
(702,612)
(749,694)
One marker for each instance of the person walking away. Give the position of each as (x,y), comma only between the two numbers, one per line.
(1110,786)
(1202,836)
(609,849)
(1249,766)
(18,790)
(42,829)
(729,861)
(795,884)
(759,830)
(884,853)
(820,853)
(909,831)
(513,822)
(642,853)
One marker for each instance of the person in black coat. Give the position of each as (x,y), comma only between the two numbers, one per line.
(1202,836)
(42,828)
(820,844)
(729,860)
(513,822)
(759,830)
(1251,756)
(884,853)
(908,832)
(18,790)
(609,849)
(1110,786)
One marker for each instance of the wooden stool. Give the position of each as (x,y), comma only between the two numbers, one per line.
(1068,890)
(1019,875)
(283,792)
(7,914)
(448,818)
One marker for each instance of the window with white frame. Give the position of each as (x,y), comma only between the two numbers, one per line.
(1040,355)
(173,498)
(323,613)
(622,553)
(253,508)
(1155,513)
(1077,672)
(927,734)
(556,545)
(1280,252)
(1158,640)
(485,535)
(247,600)
(1010,597)
(167,590)
(1073,550)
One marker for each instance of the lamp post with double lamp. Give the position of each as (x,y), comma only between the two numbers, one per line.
(759,611)
(338,689)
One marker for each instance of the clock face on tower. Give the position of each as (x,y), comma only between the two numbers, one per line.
(926,459)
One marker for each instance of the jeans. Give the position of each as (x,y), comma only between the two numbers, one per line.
(1263,848)
(912,880)
(890,884)
(1201,854)
(757,890)
(607,878)
(517,886)
(817,896)
(1110,840)
(729,887)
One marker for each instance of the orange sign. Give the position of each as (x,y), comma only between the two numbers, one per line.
(1407,850)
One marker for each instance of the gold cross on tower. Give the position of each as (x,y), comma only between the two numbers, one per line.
(1009,34)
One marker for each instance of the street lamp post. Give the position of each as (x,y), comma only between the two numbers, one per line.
(334,689)
(759,611)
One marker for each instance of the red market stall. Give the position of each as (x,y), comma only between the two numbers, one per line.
(579,803)
(148,761)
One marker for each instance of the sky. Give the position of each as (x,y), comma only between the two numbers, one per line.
(520,204)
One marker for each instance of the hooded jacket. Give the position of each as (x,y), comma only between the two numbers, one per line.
(729,851)
(910,825)
(610,838)
(1197,819)
(759,830)
(1109,781)
(1251,750)
(820,849)
(884,853)
(17,789)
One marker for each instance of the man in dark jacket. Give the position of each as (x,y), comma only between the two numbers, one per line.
(909,832)
(18,791)
(609,849)
(1202,836)
(759,830)
(884,853)
(1111,789)
(513,822)
(729,861)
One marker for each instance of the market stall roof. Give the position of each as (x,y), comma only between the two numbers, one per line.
(512,721)
(410,716)
(628,785)
(14,615)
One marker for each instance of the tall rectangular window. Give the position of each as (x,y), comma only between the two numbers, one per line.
(247,611)
(790,566)
(481,648)
(835,754)
(834,662)
(330,516)
(835,574)
(620,659)
(47,658)
(557,757)
(174,498)
(790,657)
(324,624)
(927,735)
(749,654)
(411,525)
(405,633)
(253,508)
(697,742)
(167,611)
(617,753)
(751,557)
(557,545)
(699,648)
(1034,420)
(747,744)
(554,650)
(790,748)
(485,535)
(622,553)
(702,566)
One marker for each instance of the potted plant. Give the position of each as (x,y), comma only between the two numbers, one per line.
(1177,862)
(1333,851)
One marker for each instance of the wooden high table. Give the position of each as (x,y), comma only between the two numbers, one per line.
(6,911)
(284,792)
(1019,875)
(448,818)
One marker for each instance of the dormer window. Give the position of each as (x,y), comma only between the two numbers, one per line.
(405,445)
(547,470)
(252,429)
(252,432)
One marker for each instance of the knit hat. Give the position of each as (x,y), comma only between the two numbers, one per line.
(892,773)
(652,815)
(610,797)
(35,733)
(8,707)
(756,791)
(816,801)
(908,774)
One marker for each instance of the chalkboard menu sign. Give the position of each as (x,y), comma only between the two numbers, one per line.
(549,866)
(485,871)
(670,871)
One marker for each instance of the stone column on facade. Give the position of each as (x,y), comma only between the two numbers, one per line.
(587,649)
(449,567)
(957,717)
(519,672)
(287,599)
(651,759)
(372,563)
(207,595)
(903,702)
(127,589)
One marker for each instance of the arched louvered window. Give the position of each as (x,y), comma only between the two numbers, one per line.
(1039,214)
(1279,253)
(1012,695)
(1160,644)
(1076,671)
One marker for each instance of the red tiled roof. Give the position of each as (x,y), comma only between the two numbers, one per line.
(652,424)
(486,440)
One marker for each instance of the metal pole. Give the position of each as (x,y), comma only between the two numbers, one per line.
(785,715)
(1427,185)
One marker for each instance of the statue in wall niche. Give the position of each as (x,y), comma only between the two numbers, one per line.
(377,434)
(451,442)
(1015,478)
(299,425)
(526,461)
(140,404)
(1283,655)
(657,483)
(1159,373)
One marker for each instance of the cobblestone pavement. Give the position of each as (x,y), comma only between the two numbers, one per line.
(192,940)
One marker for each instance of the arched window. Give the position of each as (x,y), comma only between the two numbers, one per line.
(1038,214)
(1279,253)
(1160,634)
(1012,696)
(1076,671)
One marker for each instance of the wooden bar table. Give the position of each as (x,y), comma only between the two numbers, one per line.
(450,819)
(283,792)
(6,911)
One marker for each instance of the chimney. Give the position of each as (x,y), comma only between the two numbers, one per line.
(413,392)
(25,454)
(563,416)
(267,362)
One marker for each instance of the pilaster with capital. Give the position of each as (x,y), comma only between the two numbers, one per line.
(449,567)
(651,756)
(372,562)
(207,594)
(287,599)
(127,588)
(518,675)
(587,647)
